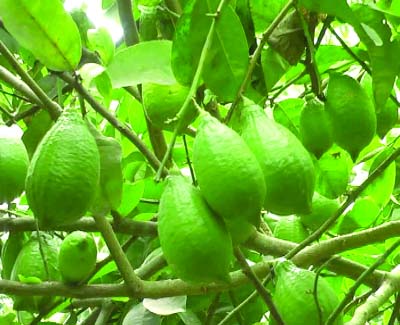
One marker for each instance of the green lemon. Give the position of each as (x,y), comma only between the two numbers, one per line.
(315,128)
(291,229)
(64,173)
(29,267)
(163,102)
(9,253)
(287,166)
(351,112)
(333,172)
(77,257)
(229,176)
(14,163)
(295,300)
(195,242)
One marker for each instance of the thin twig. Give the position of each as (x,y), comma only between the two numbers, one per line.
(265,295)
(256,55)
(53,108)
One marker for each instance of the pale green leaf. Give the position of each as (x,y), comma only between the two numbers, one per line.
(144,62)
(45,29)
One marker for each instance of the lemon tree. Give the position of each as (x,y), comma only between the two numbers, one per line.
(189,162)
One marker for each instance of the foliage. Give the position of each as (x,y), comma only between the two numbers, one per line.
(288,111)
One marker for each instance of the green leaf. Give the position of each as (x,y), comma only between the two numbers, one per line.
(227,61)
(144,62)
(273,66)
(166,306)
(287,113)
(100,40)
(363,213)
(45,29)
(139,315)
(37,128)
(109,192)
(333,170)
(190,35)
(384,56)
(131,197)
(264,12)
(382,187)
(29,279)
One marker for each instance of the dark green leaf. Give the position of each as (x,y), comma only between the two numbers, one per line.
(227,60)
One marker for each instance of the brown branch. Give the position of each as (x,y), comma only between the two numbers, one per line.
(131,34)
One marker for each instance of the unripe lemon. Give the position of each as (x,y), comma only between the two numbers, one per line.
(229,176)
(287,166)
(77,258)
(14,163)
(64,173)
(291,229)
(162,103)
(322,209)
(351,112)
(194,241)
(29,267)
(315,128)
(295,300)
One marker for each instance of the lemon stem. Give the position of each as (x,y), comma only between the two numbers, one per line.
(265,295)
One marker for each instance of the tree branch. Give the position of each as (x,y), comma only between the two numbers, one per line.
(329,247)
(125,226)
(149,289)
(19,85)
(131,279)
(131,34)
(53,108)
(389,287)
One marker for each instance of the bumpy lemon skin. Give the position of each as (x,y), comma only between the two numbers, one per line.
(14,163)
(229,176)
(294,296)
(162,104)
(287,166)
(64,172)
(352,114)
